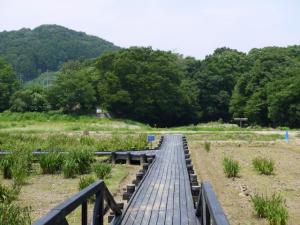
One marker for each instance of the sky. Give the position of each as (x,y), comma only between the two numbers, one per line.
(189,27)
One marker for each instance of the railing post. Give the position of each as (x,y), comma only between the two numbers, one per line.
(199,205)
(98,209)
(207,215)
(113,158)
(203,209)
(84,213)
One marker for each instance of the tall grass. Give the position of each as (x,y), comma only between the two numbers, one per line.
(207,146)
(12,214)
(8,194)
(263,165)
(231,167)
(17,165)
(51,163)
(70,168)
(273,208)
(102,170)
(63,142)
(86,181)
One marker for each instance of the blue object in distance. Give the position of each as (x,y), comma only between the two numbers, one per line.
(150,137)
(286,135)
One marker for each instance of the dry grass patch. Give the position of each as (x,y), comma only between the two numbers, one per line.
(43,192)
(235,195)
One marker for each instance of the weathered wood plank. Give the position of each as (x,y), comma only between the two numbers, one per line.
(165,196)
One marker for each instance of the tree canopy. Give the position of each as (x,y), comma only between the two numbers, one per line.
(146,85)
(8,84)
(166,89)
(45,48)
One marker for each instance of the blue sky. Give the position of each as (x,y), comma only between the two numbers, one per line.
(189,27)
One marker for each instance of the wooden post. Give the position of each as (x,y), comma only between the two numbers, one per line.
(84,213)
(128,158)
(113,158)
(143,158)
(98,209)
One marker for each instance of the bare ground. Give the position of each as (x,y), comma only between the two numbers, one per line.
(43,192)
(234,195)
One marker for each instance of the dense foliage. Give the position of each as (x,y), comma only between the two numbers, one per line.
(166,89)
(269,92)
(146,85)
(8,84)
(46,47)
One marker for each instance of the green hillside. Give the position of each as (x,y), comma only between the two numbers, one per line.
(45,48)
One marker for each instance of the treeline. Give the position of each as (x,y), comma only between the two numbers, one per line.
(45,48)
(165,89)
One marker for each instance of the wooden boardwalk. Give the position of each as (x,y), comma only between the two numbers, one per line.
(164,197)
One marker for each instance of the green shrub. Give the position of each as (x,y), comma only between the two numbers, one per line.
(263,166)
(102,170)
(86,181)
(273,208)
(12,214)
(77,161)
(70,168)
(6,165)
(19,174)
(260,204)
(8,194)
(231,167)
(83,158)
(207,146)
(17,165)
(51,163)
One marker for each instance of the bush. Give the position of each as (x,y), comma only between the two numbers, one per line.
(86,181)
(231,167)
(273,208)
(263,166)
(17,165)
(70,168)
(207,146)
(13,214)
(8,194)
(83,158)
(51,163)
(19,173)
(102,170)
(6,165)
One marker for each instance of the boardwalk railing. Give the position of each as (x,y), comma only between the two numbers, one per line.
(208,208)
(57,216)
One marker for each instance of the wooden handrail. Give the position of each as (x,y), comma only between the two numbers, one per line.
(208,208)
(57,216)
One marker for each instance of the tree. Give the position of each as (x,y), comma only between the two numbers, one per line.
(284,100)
(146,85)
(268,92)
(29,100)
(216,79)
(72,91)
(8,84)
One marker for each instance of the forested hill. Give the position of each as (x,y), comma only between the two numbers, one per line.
(45,48)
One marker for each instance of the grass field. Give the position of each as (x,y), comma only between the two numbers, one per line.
(54,131)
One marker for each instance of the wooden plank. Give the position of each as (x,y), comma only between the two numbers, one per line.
(165,197)
(145,215)
(131,213)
